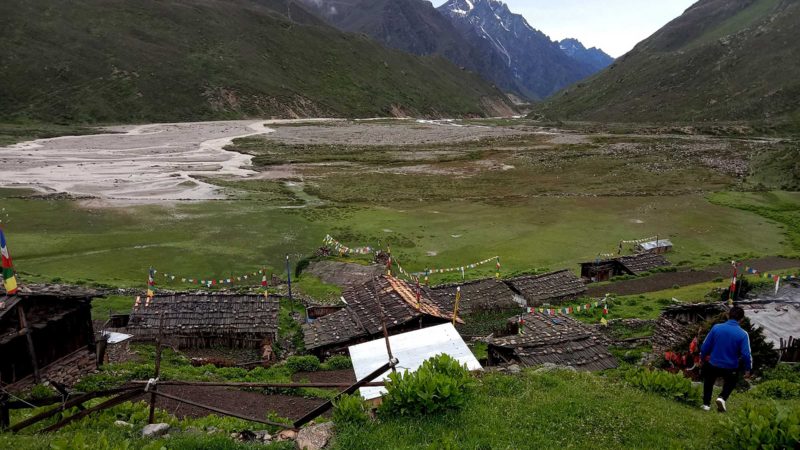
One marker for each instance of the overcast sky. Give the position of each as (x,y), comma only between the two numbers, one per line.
(613,25)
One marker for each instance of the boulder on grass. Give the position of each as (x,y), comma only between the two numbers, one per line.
(155,430)
(315,437)
(286,435)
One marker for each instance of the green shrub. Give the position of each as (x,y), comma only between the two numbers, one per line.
(349,410)
(785,372)
(41,391)
(308,363)
(337,362)
(666,384)
(762,427)
(440,384)
(778,389)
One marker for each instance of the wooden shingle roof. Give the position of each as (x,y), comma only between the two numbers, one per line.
(678,323)
(642,262)
(205,315)
(549,287)
(384,296)
(558,340)
(482,295)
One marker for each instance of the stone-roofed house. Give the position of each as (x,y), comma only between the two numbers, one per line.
(677,324)
(549,288)
(559,340)
(605,269)
(478,296)
(384,297)
(207,320)
(642,262)
(58,321)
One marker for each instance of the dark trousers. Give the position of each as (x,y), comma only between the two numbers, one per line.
(710,375)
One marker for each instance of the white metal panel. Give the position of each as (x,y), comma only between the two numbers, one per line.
(656,244)
(411,349)
(780,319)
(116,338)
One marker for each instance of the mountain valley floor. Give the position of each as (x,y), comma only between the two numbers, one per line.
(441,194)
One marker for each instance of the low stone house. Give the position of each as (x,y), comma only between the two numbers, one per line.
(207,320)
(46,334)
(535,339)
(385,298)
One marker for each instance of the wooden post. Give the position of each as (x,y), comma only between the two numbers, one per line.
(455,307)
(383,322)
(105,405)
(289,281)
(157,372)
(5,417)
(23,328)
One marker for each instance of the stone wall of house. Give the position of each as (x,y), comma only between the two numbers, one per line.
(67,371)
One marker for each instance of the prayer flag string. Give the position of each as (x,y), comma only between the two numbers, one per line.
(213,281)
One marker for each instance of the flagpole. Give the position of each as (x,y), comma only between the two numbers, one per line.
(289,281)
(732,290)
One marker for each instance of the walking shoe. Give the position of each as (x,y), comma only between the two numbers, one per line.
(705,408)
(721,406)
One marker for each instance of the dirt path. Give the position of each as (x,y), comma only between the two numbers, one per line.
(666,280)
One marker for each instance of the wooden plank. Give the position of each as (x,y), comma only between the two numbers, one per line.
(154,388)
(114,401)
(69,404)
(316,412)
(23,327)
(259,385)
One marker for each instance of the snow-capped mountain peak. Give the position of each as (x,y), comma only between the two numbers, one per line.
(538,65)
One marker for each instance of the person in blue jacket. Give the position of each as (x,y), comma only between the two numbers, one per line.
(724,352)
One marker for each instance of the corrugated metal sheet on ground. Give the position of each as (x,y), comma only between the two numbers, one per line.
(411,349)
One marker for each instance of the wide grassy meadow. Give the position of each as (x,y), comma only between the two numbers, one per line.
(538,201)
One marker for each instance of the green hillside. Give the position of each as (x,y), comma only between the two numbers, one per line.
(720,60)
(174,60)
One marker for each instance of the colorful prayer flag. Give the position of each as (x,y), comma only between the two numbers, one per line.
(151,283)
(9,276)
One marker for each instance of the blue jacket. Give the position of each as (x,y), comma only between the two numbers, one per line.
(728,344)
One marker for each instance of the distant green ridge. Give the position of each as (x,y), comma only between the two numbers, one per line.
(722,60)
(90,61)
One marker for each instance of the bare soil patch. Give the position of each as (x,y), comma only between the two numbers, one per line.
(249,403)
(328,376)
(343,274)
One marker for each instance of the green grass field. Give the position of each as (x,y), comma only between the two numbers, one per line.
(553,411)
(58,240)
(552,209)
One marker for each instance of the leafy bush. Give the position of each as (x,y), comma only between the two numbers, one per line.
(440,384)
(778,389)
(349,410)
(337,362)
(41,391)
(783,372)
(666,384)
(763,427)
(308,363)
